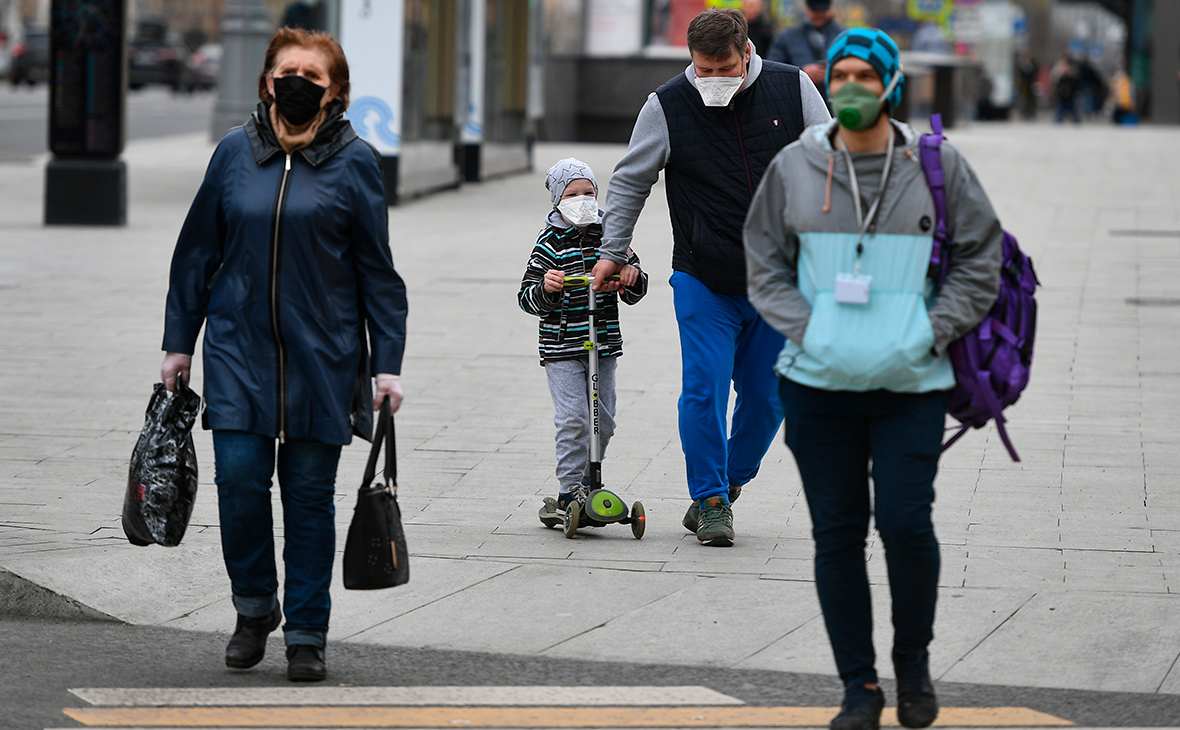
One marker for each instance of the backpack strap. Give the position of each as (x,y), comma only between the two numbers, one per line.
(930,155)
(992,405)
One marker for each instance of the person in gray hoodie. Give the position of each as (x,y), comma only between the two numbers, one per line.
(838,243)
(712,131)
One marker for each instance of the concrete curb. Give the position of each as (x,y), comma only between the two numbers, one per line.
(23,598)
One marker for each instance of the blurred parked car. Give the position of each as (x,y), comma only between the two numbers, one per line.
(205,66)
(156,56)
(30,59)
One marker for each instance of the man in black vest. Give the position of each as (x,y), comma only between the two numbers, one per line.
(713,130)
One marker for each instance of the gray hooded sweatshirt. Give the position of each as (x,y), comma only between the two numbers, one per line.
(801,233)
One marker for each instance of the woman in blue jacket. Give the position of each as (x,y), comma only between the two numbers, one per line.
(284,258)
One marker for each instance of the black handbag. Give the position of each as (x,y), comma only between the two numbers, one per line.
(375,554)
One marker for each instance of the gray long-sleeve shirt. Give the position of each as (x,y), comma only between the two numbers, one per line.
(648,154)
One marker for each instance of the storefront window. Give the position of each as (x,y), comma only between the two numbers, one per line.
(429,90)
(506,77)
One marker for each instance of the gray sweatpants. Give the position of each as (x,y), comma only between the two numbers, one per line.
(571,414)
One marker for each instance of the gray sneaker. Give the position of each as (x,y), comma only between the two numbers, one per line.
(716,523)
(693,516)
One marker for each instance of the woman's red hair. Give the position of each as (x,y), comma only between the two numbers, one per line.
(316,41)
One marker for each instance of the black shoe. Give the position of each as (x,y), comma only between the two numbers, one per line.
(916,704)
(305,663)
(715,528)
(692,517)
(861,709)
(248,644)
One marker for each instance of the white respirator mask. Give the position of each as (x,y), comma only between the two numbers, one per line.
(579,211)
(719,90)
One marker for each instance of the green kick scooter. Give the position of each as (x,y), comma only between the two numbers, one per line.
(600,507)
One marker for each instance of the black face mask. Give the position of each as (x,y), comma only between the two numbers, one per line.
(298,99)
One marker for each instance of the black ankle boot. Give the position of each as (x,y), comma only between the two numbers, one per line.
(861,709)
(305,663)
(916,704)
(248,644)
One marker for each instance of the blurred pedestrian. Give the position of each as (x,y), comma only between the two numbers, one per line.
(1092,88)
(284,259)
(713,130)
(838,245)
(1027,71)
(1122,89)
(305,14)
(806,45)
(1065,90)
(761,27)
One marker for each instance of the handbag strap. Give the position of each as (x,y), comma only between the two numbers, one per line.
(383,434)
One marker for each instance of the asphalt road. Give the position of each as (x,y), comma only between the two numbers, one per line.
(43,659)
(151,112)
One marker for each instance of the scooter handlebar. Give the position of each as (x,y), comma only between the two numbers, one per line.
(584,280)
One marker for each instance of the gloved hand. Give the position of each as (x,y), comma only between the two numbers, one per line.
(388,385)
(175,363)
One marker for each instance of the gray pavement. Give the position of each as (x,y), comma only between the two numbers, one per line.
(1060,571)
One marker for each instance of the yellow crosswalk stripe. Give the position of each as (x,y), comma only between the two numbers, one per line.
(525,717)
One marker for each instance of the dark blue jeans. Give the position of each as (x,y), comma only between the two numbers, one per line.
(245,463)
(835,436)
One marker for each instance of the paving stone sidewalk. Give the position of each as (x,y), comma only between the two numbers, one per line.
(1058,571)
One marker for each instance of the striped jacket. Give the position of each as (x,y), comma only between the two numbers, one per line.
(564,316)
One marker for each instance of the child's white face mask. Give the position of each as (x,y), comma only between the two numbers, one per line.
(579,211)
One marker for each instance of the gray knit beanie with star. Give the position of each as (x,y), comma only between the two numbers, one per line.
(565,172)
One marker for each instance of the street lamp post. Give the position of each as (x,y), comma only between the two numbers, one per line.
(246,29)
(85,179)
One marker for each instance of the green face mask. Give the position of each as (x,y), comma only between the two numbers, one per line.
(856,107)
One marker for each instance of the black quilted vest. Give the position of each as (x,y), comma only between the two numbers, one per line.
(717,160)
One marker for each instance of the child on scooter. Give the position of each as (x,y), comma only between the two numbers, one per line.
(569,247)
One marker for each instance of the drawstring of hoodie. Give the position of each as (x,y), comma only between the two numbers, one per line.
(828,187)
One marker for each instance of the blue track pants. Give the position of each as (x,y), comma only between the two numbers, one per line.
(723,340)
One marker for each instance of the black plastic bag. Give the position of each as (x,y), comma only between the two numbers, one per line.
(375,553)
(162,480)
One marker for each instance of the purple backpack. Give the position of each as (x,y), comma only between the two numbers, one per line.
(992,361)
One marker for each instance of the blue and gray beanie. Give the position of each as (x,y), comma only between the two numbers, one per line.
(874,46)
(565,172)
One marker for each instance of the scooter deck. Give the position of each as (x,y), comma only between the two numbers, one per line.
(551,516)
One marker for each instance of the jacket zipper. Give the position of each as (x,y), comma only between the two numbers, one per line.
(742,146)
(276,242)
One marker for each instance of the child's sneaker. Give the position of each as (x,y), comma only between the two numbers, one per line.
(716,523)
(693,516)
(564,499)
(552,512)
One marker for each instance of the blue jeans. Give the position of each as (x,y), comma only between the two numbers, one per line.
(835,436)
(724,340)
(245,463)
(1067,108)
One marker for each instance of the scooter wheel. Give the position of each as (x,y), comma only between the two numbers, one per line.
(638,520)
(573,514)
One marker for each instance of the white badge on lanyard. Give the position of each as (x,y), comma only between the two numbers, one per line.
(853,288)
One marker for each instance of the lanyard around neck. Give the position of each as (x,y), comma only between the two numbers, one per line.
(864,222)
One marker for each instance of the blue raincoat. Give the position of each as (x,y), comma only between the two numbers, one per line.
(285,260)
